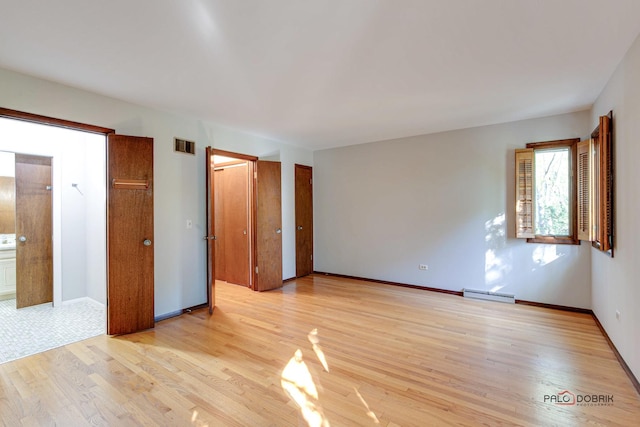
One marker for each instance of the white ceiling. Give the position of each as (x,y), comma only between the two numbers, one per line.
(326,73)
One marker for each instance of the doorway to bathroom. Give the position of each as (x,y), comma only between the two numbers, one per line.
(69,305)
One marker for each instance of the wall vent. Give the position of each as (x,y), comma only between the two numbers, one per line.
(491,296)
(184,146)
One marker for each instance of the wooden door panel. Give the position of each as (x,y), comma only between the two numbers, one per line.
(219,219)
(130,253)
(304,220)
(210,194)
(236,225)
(34,255)
(268,226)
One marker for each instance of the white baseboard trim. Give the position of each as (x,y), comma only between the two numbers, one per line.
(83,299)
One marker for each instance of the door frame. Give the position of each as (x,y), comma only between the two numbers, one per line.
(253,205)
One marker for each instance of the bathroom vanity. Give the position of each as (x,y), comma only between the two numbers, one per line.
(7,266)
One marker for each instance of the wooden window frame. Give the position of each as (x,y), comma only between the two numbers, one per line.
(572,238)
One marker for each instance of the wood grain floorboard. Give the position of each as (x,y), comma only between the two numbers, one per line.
(396,357)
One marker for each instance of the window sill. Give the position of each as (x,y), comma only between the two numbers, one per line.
(553,240)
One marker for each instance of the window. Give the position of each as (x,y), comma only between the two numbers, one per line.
(546,192)
(565,190)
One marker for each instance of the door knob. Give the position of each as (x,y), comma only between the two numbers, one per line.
(278,230)
(299,227)
(146,242)
(22,238)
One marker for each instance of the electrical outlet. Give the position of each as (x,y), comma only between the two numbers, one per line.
(423,267)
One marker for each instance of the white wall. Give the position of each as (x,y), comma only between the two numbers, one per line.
(73,225)
(94,191)
(180,269)
(616,280)
(445,200)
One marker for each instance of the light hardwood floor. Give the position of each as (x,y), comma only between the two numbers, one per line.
(396,356)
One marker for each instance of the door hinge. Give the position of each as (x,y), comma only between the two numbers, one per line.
(311,257)
(256,269)
(255,175)
(310,181)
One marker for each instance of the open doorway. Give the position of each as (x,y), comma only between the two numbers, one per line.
(259,216)
(233,219)
(76,305)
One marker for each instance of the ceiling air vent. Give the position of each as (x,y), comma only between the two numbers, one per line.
(184,146)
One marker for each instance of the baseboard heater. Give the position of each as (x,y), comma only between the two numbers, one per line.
(486,295)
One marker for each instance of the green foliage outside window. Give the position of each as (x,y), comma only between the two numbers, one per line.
(552,192)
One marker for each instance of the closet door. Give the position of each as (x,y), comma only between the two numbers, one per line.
(304,220)
(236,224)
(269,226)
(219,226)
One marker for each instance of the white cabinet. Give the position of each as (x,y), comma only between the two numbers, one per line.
(7,273)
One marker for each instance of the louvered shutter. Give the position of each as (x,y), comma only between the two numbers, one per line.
(605,231)
(524,193)
(585,191)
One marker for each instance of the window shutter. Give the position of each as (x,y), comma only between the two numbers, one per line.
(605,231)
(524,193)
(585,191)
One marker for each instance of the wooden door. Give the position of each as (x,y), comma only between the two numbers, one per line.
(220,240)
(236,224)
(34,231)
(210,236)
(130,289)
(304,220)
(268,226)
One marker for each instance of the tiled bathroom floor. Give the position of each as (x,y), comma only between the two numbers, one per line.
(42,327)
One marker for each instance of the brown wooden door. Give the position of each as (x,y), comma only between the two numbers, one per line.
(236,225)
(219,229)
(268,226)
(210,236)
(304,220)
(34,231)
(130,290)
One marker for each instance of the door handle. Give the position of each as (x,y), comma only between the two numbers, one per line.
(22,239)
(146,242)
(299,227)
(278,230)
